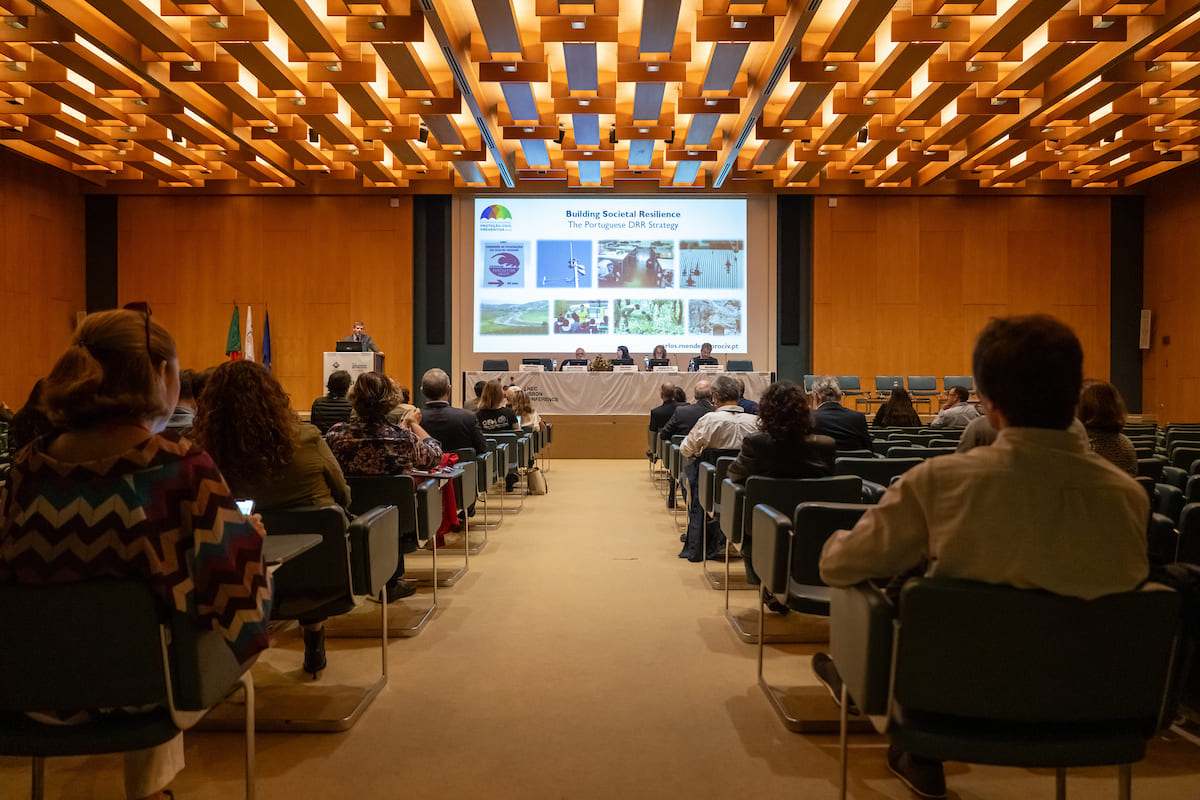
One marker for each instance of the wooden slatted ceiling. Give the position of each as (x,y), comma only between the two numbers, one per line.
(1034,94)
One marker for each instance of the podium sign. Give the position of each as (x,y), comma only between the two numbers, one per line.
(711,368)
(625,368)
(572,368)
(354,363)
(671,368)
(533,368)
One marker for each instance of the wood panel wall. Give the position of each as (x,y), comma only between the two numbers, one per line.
(902,285)
(42,272)
(314,263)
(1171,367)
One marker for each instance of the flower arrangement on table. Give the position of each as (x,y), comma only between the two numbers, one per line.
(601,364)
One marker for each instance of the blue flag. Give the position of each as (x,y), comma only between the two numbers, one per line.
(266,343)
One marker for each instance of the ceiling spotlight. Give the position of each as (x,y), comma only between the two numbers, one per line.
(17,23)
(299,101)
(191,66)
(999,101)
(423,134)
(738,24)
(386,129)
(509,68)
(901,130)
(710,102)
(578,24)
(1153,67)
(869,101)
(217,23)
(1047,130)
(831,68)
(585,102)
(334,67)
(378,23)
(1100,23)
(643,130)
(974,67)
(141,102)
(426,102)
(785,130)
(939,23)
(272,129)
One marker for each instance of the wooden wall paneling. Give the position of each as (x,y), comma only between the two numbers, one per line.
(941,279)
(898,254)
(822,337)
(985,251)
(822,286)
(854,301)
(897,345)
(43,270)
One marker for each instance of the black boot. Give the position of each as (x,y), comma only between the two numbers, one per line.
(314,651)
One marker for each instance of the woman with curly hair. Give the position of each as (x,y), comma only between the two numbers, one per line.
(107,496)
(784,447)
(245,421)
(897,410)
(372,445)
(1102,412)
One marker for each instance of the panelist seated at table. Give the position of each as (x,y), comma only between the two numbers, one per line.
(580,359)
(622,357)
(246,423)
(108,496)
(658,358)
(705,357)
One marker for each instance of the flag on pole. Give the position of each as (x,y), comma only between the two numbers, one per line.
(266,345)
(248,353)
(233,342)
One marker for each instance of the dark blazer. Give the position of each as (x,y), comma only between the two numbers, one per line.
(660,415)
(684,419)
(367,343)
(454,428)
(805,457)
(749,406)
(847,427)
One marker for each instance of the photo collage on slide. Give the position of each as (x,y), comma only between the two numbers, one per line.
(629,287)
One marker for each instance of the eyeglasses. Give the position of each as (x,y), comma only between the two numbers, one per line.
(143,306)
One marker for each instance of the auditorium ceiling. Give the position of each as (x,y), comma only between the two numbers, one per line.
(626,95)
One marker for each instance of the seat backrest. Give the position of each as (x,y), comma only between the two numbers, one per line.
(495,365)
(86,645)
(922,384)
(813,524)
(787,493)
(1191,491)
(808,382)
(849,383)
(879,470)
(965,381)
(318,580)
(885,383)
(909,452)
(1189,534)
(368,491)
(1183,457)
(739,365)
(1151,467)
(995,652)
(374,548)
(1168,501)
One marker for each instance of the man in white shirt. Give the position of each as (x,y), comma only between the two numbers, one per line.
(956,411)
(722,429)
(1035,510)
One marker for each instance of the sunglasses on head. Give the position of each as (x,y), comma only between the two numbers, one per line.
(144,307)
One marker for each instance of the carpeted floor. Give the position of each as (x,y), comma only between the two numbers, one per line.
(579,658)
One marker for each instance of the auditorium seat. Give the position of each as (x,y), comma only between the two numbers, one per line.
(965,381)
(495,365)
(922,385)
(739,365)
(850,385)
(885,383)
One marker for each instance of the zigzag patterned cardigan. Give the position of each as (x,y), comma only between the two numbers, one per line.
(160,511)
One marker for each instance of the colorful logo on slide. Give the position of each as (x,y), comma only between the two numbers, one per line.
(496,212)
(505,265)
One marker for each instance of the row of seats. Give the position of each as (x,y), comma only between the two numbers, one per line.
(501,364)
(909,684)
(917,385)
(133,657)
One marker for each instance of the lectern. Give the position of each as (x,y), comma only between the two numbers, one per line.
(354,363)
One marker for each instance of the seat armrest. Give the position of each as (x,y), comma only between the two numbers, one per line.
(733,498)
(374,548)
(203,668)
(772,543)
(862,622)
(429,508)
(872,491)
(706,491)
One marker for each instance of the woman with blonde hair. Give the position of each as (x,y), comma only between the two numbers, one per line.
(521,405)
(170,519)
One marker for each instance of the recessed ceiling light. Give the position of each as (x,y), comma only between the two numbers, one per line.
(426,102)
(354,152)
(939,23)
(587,152)
(786,130)
(869,101)
(1161,129)
(930,152)
(1153,67)
(643,130)
(223,152)
(822,153)
(191,66)
(299,101)
(458,152)
(16,23)
(386,129)
(974,67)
(1156,101)
(1102,23)
(217,23)
(738,24)
(652,68)
(710,102)
(901,130)
(999,101)
(509,68)
(141,102)
(1047,130)
(1058,152)
(831,68)
(585,102)
(528,130)
(334,67)
(130,129)
(271,129)
(378,23)
(578,24)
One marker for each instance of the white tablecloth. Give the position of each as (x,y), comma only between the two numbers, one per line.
(606,392)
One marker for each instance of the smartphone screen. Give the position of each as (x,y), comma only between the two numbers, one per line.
(245,506)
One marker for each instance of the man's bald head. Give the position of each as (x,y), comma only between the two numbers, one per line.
(435,384)
(702,391)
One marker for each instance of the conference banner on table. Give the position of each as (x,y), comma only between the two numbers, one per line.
(554,274)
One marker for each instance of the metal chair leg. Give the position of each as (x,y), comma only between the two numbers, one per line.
(39,778)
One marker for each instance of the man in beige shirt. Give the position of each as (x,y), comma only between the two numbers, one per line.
(1036,510)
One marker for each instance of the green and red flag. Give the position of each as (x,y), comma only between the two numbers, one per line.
(233,342)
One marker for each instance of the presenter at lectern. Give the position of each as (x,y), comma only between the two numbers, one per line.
(360,335)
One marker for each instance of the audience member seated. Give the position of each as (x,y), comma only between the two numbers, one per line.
(246,423)
(845,426)
(662,412)
(722,429)
(472,405)
(1102,412)
(897,411)
(30,421)
(784,446)
(185,408)
(454,428)
(333,408)
(374,446)
(1036,510)
(705,352)
(684,417)
(403,403)
(580,355)
(749,406)
(171,520)
(495,417)
(956,411)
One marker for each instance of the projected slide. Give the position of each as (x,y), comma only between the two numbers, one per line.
(554,274)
